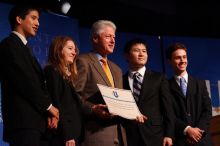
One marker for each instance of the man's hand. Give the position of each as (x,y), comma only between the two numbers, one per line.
(190,142)
(52,122)
(100,110)
(54,112)
(194,134)
(167,141)
(141,119)
(70,143)
(53,118)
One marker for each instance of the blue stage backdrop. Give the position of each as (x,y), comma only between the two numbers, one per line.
(203,52)
(154,60)
(52,25)
(4,31)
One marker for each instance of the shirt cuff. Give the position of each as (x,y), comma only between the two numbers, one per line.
(49,107)
(185,130)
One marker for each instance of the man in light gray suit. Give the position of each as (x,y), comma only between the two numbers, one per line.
(102,128)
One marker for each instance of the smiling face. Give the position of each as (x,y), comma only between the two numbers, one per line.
(29,25)
(137,56)
(69,52)
(104,42)
(179,61)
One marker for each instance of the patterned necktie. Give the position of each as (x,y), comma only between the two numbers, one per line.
(137,83)
(183,85)
(107,71)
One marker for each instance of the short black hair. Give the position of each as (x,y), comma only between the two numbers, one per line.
(173,48)
(133,42)
(21,11)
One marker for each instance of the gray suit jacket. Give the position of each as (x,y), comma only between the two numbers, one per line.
(91,73)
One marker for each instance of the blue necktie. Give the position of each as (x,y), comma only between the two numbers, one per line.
(137,82)
(183,85)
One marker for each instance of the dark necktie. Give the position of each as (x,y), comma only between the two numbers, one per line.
(183,85)
(137,83)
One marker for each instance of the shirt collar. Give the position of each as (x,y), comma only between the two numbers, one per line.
(185,76)
(140,71)
(23,39)
(99,56)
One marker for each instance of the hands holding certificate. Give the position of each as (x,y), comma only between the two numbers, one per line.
(101,111)
(118,102)
(141,119)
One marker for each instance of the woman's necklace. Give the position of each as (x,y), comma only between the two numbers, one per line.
(68,73)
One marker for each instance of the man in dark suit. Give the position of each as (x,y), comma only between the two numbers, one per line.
(101,127)
(192,104)
(156,126)
(25,102)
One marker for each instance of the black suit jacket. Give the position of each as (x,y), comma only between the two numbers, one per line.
(193,110)
(66,99)
(24,94)
(155,103)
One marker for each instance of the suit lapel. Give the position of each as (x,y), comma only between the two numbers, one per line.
(26,50)
(125,81)
(191,85)
(191,88)
(34,61)
(178,95)
(114,74)
(98,68)
(36,65)
(147,80)
(176,88)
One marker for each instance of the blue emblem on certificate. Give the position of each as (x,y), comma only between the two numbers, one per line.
(115,94)
(119,102)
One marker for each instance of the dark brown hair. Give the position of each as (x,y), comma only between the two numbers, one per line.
(133,42)
(21,11)
(56,58)
(173,48)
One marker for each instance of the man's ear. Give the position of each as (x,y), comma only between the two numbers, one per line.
(95,38)
(19,19)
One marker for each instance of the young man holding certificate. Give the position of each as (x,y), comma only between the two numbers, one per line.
(151,92)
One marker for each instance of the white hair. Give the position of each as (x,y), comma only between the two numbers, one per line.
(98,26)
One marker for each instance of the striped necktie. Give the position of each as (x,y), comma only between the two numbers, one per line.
(107,71)
(183,85)
(137,83)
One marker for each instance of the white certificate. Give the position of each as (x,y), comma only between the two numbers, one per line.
(119,102)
